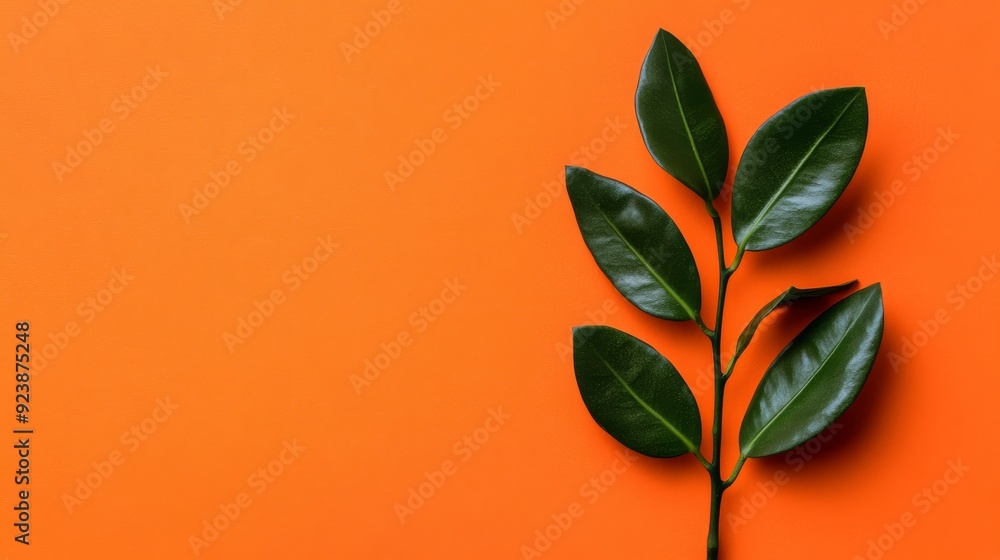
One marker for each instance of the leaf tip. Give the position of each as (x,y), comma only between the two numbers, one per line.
(862,95)
(574,181)
(582,332)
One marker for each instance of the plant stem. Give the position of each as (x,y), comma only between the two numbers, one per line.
(718,485)
(713,527)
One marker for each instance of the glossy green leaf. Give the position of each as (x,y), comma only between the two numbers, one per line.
(816,377)
(797,165)
(636,244)
(785,298)
(678,118)
(634,393)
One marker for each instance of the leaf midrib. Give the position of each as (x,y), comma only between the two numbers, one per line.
(774,197)
(687,128)
(687,443)
(812,378)
(646,264)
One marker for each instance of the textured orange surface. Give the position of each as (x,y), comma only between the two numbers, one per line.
(238,318)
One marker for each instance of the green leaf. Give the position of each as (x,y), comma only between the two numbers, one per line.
(816,377)
(797,165)
(636,244)
(787,297)
(678,118)
(634,393)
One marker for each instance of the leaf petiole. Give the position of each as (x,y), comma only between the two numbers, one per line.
(736,471)
(736,260)
(701,459)
(704,328)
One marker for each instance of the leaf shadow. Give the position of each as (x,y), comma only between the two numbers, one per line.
(682,334)
(673,468)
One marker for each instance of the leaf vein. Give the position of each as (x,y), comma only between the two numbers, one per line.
(687,128)
(802,389)
(647,266)
(687,443)
(774,197)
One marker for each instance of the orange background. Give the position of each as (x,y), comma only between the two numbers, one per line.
(497,344)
